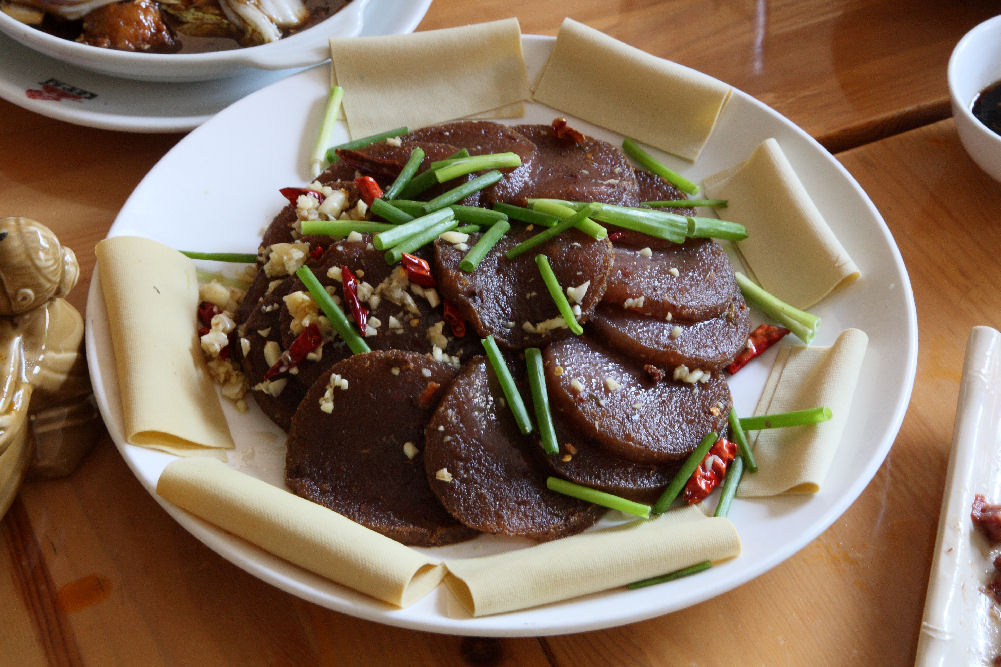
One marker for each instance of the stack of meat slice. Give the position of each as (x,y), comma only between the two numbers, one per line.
(428,452)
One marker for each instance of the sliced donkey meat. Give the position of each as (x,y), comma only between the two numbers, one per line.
(479,467)
(483,137)
(401,315)
(507,298)
(690,281)
(582,460)
(592,170)
(652,188)
(704,344)
(344,454)
(611,398)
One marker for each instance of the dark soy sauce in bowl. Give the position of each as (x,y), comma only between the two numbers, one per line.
(987,107)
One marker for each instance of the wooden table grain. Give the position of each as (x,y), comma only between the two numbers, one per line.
(94,572)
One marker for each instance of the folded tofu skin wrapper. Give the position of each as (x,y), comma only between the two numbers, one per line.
(590,562)
(169,401)
(796,459)
(429,77)
(300,531)
(790,249)
(619,87)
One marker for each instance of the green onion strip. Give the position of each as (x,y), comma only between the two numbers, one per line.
(330,113)
(681,477)
(540,400)
(671,576)
(362,142)
(800,322)
(407,173)
(484,245)
(232,257)
(333,312)
(556,292)
(508,386)
(343,227)
(785,419)
(648,162)
(597,497)
(738,436)
(733,474)
(546,234)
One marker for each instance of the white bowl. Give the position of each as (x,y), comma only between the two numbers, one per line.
(309,47)
(976,64)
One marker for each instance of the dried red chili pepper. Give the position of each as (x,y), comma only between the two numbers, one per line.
(316,252)
(451,315)
(292,194)
(350,286)
(308,340)
(711,471)
(564,131)
(759,340)
(615,236)
(206,311)
(418,270)
(368,189)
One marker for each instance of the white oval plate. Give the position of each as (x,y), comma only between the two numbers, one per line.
(218,188)
(58,90)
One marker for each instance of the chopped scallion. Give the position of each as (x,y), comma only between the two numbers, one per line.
(483,245)
(671,576)
(681,477)
(232,257)
(330,113)
(508,387)
(540,400)
(415,242)
(597,497)
(462,191)
(785,419)
(333,312)
(468,165)
(800,322)
(390,211)
(734,472)
(399,233)
(407,173)
(556,292)
(648,162)
(528,215)
(685,203)
(546,234)
(362,142)
(738,436)
(342,227)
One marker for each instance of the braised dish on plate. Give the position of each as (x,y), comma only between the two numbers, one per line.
(401,412)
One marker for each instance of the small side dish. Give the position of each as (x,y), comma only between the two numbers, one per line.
(171,26)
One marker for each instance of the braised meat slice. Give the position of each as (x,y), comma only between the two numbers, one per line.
(590,170)
(344,454)
(400,316)
(482,137)
(580,459)
(691,281)
(610,398)
(479,466)
(704,344)
(507,298)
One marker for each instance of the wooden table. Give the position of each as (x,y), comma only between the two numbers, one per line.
(95,572)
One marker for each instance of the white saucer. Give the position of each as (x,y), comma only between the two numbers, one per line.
(64,92)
